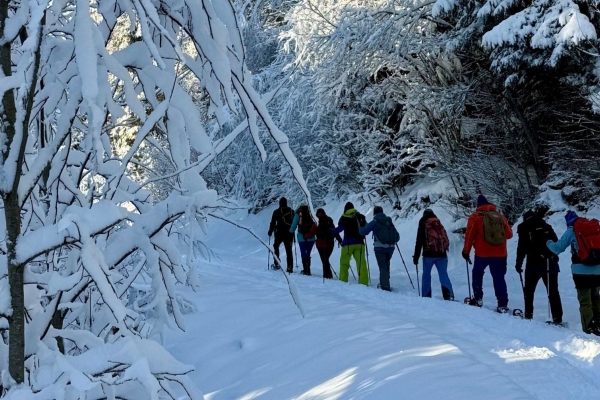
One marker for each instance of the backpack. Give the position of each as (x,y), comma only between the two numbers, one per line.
(436,236)
(385,231)
(351,225)
(493,228)
(539,235)
(305,222)
(587,232)
(284,222)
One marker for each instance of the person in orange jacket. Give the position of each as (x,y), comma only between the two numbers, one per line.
(488,231)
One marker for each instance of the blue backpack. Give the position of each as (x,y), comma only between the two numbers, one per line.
(385,231)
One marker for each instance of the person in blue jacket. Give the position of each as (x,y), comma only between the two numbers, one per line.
(586,278)
(383,252)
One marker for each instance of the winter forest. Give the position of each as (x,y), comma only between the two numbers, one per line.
(143,140)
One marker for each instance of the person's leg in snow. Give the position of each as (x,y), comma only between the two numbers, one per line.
(344,263)
(478,271)
(383,257)
(554,295)
(276,244)
(441,264)
(586,312)
(358,252)
(498,271)
(324,254)
(531,281)
(288,243)
(305,249)
(426,276)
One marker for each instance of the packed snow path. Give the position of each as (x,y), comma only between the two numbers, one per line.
(248,341)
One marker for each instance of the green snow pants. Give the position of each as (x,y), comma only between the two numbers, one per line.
(589,306)
(358,252)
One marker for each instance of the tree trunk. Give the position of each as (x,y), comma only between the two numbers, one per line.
(16,322)
(12,213)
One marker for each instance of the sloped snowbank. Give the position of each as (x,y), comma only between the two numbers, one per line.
(248,340)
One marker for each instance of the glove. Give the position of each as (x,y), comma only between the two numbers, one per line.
(270,233)
(467,257)
(416,260)
(519,268)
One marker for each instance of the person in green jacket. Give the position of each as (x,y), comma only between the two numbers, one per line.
(353,244)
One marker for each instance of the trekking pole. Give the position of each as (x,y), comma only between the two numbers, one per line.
(518,312)
(469,279)
(296,254)
(405,267)
(548,287)
(269,255)
(368,269)
(351,270)
(418,283)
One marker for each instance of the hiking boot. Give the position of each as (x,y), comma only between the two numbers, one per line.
(528,316)
(275,267)
(502,310)
(290,270)
(476,302)
(451,298)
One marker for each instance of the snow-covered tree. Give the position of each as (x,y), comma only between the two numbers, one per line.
(88,266)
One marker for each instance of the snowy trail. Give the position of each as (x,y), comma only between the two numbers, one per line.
(249,341)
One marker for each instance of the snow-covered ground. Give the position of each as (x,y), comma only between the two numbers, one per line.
(249,341)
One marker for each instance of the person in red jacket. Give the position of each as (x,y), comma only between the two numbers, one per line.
(325,241)
(490,250)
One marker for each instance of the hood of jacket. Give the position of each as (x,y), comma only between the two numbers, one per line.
(379,216)
(350,213)
(487,207)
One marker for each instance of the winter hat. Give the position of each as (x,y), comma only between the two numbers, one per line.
(570,217)
(377,210)
(481,201)
(348,206)
(541,210)
(528,214)
(283,202)
(320,212)
(428,213)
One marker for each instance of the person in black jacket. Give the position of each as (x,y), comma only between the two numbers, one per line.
(281,222)
(533,233)
(433,240)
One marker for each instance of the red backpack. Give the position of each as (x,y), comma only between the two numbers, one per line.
(587,232)
(437,239)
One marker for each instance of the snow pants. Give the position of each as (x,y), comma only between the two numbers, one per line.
(287,241)
(531,281)
(588,294)
(498,270)
(383,256)
(358,252)
(441,264)
(325,253)
(306,248)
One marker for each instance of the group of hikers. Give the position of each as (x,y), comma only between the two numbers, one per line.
(487,233)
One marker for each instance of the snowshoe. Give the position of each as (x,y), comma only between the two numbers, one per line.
(559,324)
(473,302)
(518,313)
(275,267)
(502,310)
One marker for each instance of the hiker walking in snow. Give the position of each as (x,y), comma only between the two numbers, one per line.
(281,221)
(488,231)
(533,234)
(385,236)
(353,244)
(583,236)
(326,241)
(306,236)
(433,240)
